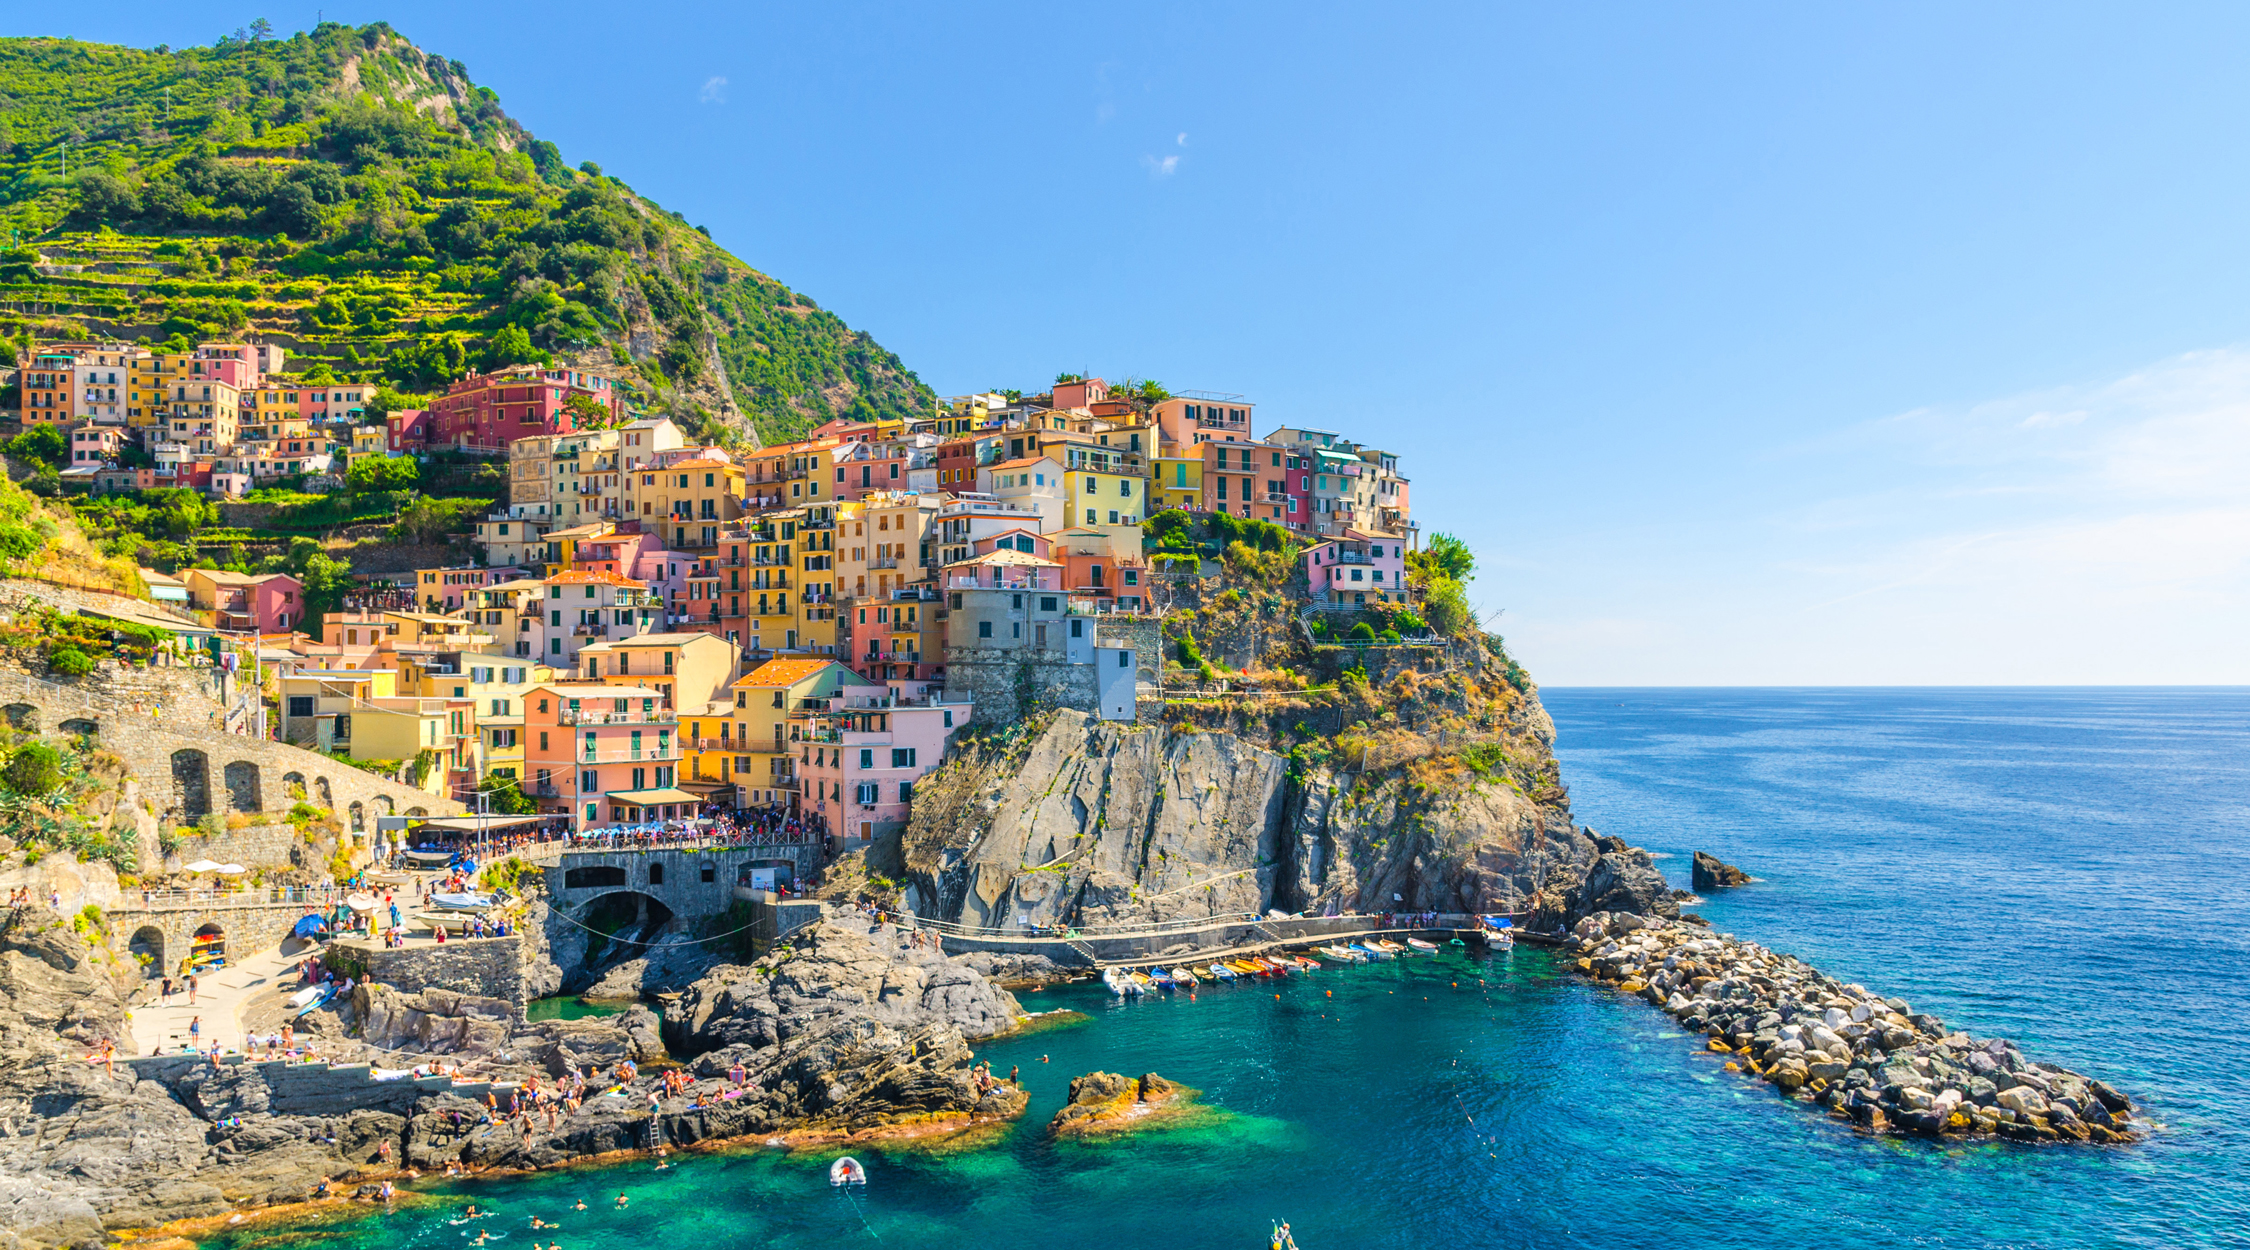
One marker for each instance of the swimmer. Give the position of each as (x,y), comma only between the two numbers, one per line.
(472,1213)
(621,1200)
(662,1163)
(581,1205)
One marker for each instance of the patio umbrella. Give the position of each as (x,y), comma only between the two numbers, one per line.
(308,925)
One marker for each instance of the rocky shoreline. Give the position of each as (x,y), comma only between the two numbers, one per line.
(1867,1059)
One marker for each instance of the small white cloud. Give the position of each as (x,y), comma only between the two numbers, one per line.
(1183,139)
(714,90)
(1163,167)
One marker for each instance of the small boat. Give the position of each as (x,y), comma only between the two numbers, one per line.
(1388,947)
(1344,953)
(1122,984)
(462,902)
(1160,978)
(1183,978)
(1373,952)
(1498,940)
(1223,973)
(1308,963)
(1247,968)
(1280,965)
(1427,948)
(846,1171)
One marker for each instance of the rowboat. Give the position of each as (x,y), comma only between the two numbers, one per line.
(1160,978)
(1387,946)
(462,902)
(1427,948)
(1373,952)
(1223,973)
(1251,968)
(846,1171)
(1184,978)
(1281,964)
(1344,953)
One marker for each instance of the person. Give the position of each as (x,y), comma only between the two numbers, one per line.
(166,995)
(581,1205)
(191,986)
(620,1200)
(195,1033)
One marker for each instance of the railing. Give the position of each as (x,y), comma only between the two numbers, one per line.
(590,631)
(964,581)
(242,896)
(626,755)
(587,716)
(883,562)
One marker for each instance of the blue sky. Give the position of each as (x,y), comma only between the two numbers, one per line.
(1746,344)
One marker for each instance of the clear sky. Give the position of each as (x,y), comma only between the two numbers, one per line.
(1746,344)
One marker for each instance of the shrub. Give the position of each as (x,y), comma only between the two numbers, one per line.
(34,769)
(70,661)
(1361,633)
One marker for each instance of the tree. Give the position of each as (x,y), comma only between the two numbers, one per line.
(42,444)
(374,474)
(1446,556)
(261,30)
(326,581)
(587,412)
(507,797)
(512,346)
(103,196)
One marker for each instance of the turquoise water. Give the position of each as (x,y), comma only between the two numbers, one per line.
(2067,868)
(572,1007)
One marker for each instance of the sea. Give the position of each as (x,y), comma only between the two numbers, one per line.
(2069,868)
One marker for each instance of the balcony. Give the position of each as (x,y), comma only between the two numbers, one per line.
(1277,496)
(587,716)
(542,790)
(883,562)
(658,754)
(1028,581)
(589,631)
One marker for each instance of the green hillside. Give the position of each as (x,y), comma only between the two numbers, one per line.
(364,204)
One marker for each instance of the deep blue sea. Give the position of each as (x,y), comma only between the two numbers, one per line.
(2069,868)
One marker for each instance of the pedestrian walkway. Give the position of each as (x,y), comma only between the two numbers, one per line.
(220,998)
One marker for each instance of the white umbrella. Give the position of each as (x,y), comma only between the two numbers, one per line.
(204,865)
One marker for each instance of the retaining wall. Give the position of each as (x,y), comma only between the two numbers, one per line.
(323,1089)
(486,967)
(249,929)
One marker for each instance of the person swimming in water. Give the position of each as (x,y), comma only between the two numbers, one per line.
(581,1205)
(620,1200)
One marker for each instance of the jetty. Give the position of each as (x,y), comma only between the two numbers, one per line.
(1203,938)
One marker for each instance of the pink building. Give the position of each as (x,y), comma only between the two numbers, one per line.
(1245,477)
(1358,568)
(410,429)
(1018,538)
(94,444)
(490,411)
(1192,417)
(858,764)
(606,755)
(271,603)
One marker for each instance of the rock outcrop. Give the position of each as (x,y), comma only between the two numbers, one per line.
(1868,1059)
(1091,822)
(1710,874)
(1102,1103)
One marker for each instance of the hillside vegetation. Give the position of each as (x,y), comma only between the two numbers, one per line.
(364,204)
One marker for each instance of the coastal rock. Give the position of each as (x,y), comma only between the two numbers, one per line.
(1105,1102)
(1710,874)
(1625,879)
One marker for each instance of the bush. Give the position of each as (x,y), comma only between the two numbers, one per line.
(35,769)
(70,662)
(1361,633)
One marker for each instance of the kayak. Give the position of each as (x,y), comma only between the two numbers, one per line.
(846,1171)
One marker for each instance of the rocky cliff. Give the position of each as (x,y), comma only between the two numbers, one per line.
(1083,822)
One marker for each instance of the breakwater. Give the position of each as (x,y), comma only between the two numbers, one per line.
(1868,1059)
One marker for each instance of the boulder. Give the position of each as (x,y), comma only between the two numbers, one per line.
(1105,1102)
(1710,874)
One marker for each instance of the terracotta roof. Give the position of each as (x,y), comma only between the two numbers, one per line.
(651,640)
(1012,464)
(782,672)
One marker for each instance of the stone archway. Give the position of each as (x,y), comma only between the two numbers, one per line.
(293,784)
(359,818)
(322,795)
(388,808)
(191,782)
(244,786)
(80,727)
(147,949)
(593,877)
(22,716)
(417,811)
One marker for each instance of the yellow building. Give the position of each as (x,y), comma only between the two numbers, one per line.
(691,503)
(402,728)
(882,543)
(764,763)
(494,687)
(1102,485)
(691,669)
(316,705)
(562,545)
(816,580)
(1175,482)
(791,475)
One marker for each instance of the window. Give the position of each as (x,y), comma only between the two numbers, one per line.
(589,780)
(656,874)
(906,792)
(984,628)
(1090,519)
(1124,659)
(867,757)
(902,757)
(710,873)
(1125,487)
(866,792)
(300,705)
(1046,603)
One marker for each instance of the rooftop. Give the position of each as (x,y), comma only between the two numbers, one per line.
(775,673)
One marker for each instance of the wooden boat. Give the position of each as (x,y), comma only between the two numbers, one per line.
(1388,946)
(1343,953)
(846,1171)
(463,902)
(1160,978)
(1184,978)
(1373,952)
(1427,948)
(1250,968)
(1307,962)
(1223,973)
(1278,964)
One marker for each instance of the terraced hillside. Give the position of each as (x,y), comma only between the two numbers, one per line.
(363,203)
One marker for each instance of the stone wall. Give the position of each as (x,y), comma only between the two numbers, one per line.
(486,967)
(166,934)
(188,771)
(1009,689)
